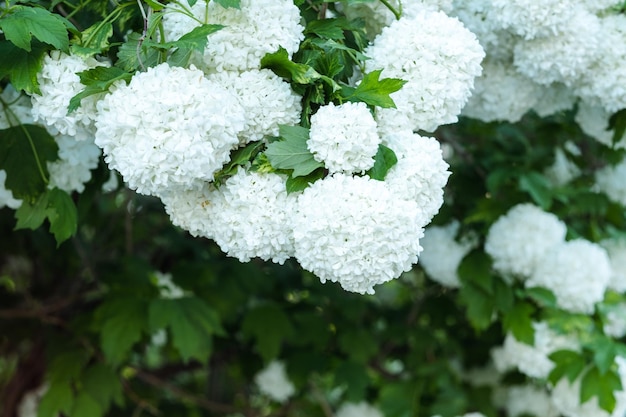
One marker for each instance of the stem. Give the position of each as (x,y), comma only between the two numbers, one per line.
(396,12)
(143,35)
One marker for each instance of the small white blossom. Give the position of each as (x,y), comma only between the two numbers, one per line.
(274,382)
(167,288)
(6,195)
(610,181)
(616,249)
(361,409)
(529,399)
(76,160)
(562,170)
(615,324)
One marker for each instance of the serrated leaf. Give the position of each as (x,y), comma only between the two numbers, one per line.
(124,320)
(384,160)
(62,214)
(292,152)
(542,296)
(538,187)
(191,322)
(194,40)
(21,66)
(131,56)
(24,150)
(94,39)
(282,66)
(269,326)
(103,384)
(567,363)
(602,386)
(604,351)
(617,123)
(96,81)
(519,322)
(295,184)
(22,23)
(58,399)
(326,28)
(235,4)
(238,157)
(374,91)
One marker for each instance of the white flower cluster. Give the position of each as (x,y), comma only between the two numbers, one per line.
(361,409)
(29,405)
(274,382)
(258,27)
(442,253)
(76,161)
(438,57)
(167,288)
(563,170)
(594,121)
(615,324)
(610,180)
(524,400)
(532,360)
(616,249)
(6,195)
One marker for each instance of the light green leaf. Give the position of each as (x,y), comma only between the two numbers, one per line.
(22,23)
(519,322)
(131,56)
(21,66)
(295,184)
(280,63)
(96,81)
(374,91)
(269,326)
(94,39)
(235,4)
(603,386)
(194,40)
(32,215)
(384,160)
(62,214)
(24,150)
(542,296)
(124,320)
(58,399)
(604,351)
(326,28)
(538,187)
(292,152)
(567,363)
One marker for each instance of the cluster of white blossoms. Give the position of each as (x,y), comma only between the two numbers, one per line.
(167,288)
(6,195)
(615,321)
(361,409)
(616,249)
(273,382)
(610,181)
(524,400)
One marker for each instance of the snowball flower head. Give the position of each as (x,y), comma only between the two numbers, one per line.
(355,231)
(530,18)
(529,400)
(58,83)
(616,249)
(594,121)
(344,137)
(250,217)
(442,253)
(610,181)
(274,382)
(420,173)
(257,28)
(554,98)
(438,57)
(578,272)
(19,111)
(267,100)
(189,209)
(6,195)
(532,360)
(615,324)
(76,160)
(517,240)
(168,127)
(361,409)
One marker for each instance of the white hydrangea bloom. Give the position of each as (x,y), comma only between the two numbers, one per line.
(259,27)
(274,382)
(529,399)
(420,173)
(594,121)
(267,100)
(532,360)
(6,195)
(438,57)
(354,231)
(562,170)
(517,240)
(344,137)
(250,217)
(532,18)
(168,127)
(616,249)
(501,93)
(58,83)
(615,324)
(29,405)
(578,272)
(564,57)
(486,376)
(361,409)
(554,98)
(604,83)
(76,160)
(442,253)
(167,288)
(610,180)
(189,209)
(19,109)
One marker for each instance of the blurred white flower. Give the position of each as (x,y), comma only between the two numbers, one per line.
(274,382)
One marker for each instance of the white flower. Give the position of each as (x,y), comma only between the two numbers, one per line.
(76,160)
(354,231)
(257,28)
(615,324)
(578,272)
(532,18)
(344,137)
(58,83)
(554,98)
(616,249)
(189,209)
(594,121)
(6,195)
(167,288)
(610,181)
(29,405)
(532,360)
(442,253)
(361,409)
(562,170)
(420,173)
(19,109)
(169,127)
(438,57)
(528,399)
(517,240)
(267,100)
(501,93)
(250,217)
(274,382)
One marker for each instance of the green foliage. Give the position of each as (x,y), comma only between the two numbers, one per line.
(601,385)
(384,160)
(97,80)
(21,66)
(269,326)
(21,23)
(292,153)
(373,91)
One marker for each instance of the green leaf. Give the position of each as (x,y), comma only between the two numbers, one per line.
(475,269)
(567,363)
(542,296)
(32,215)
(58,399)
(596,384)
(295,184)
(235,4)
(124,320)
(538,187)
(282,66)
(96,81)
(269,326)
(399,399)
(239,157)
(384,160)
(24,150)
(62,214)
(617,123)
(132,56)
(479,306)
(191,322)
(194,40)
(22,23)
(353,376)
(103,384)
(94,39)
(292,152)
(374,91)
(358,344)
(604,351)
(326,28)
(21,66)
(86,405)
(155,5)
(519,322)
(504,295)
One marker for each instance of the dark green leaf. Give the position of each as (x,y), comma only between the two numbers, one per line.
(32,215)
(282,66)
(519,322)
(61,213)
(132,56)
(58,398)
(538,187)
(269,326)
(479,306)
(124,320)
(24,150)
(542,296)
(86,405)
(103,384)
(596,384)
(238,157)
(604,351)
(22,23)
(155,5)
(475,269)
(97,80)
(94,39)
(352,376)
(399,399)
(21,66)
(326,28)
(504,295)
(617,123)
(374,91)
(567,363)
(295,184)
(194,40)
(384,160)
(358,344)
(292,152)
